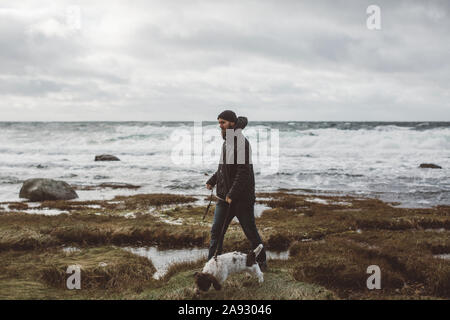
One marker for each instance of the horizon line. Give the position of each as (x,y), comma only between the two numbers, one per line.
(404,121)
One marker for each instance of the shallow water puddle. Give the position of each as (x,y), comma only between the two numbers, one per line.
(259,209)
(317,200)
(92,206)
(275,255)
(325,201)
(436,230)
(33,208)
(159,213)
(445,256)
(129,215)
(33,204)
(162,259)
(45,212)
(70,249)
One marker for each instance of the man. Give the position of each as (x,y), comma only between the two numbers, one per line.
(235,182)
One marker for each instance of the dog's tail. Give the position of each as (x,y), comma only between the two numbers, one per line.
(258,249)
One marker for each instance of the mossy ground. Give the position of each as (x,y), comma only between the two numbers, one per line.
(331,241)
(42,275)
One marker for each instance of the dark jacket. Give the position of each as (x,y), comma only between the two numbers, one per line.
(236,181)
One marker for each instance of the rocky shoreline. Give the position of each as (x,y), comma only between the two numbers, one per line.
(331,241)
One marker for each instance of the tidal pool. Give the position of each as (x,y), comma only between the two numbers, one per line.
(162,259)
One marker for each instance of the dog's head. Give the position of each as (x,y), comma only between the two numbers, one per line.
(204,281)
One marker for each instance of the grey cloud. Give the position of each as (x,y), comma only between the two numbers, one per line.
(29,87)
(306,59)
(328,46)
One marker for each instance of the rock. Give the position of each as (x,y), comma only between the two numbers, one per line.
(118,185)
(46,189)
(112,185)
(100,177)
(430,165)
(106,157)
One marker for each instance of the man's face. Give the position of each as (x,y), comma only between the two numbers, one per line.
(224,125)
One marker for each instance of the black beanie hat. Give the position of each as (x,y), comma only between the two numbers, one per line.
(228,115)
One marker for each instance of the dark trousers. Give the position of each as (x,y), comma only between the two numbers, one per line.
(245,214)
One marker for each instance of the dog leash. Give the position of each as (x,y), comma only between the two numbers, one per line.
(224,223)
(209,204)
(222,235)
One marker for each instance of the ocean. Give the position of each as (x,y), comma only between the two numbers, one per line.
(364,159)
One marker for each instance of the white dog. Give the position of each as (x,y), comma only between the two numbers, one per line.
(215,272)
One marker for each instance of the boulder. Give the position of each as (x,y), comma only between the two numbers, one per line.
(46,189)
(106,157)
(430,165)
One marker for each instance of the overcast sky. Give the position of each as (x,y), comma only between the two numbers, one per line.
(188,60)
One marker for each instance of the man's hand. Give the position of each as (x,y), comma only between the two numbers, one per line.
(228,199)
(209,187)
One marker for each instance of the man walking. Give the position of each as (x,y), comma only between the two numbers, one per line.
(235,182)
